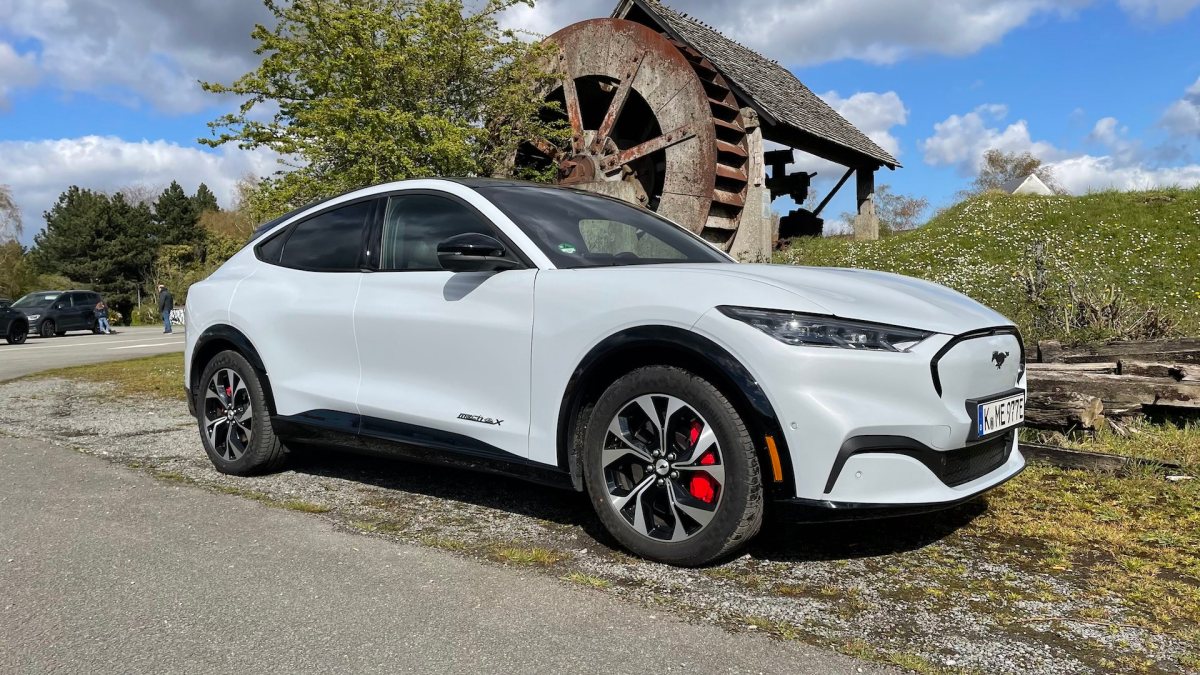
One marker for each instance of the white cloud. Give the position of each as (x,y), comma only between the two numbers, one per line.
(38,171)
(961,140)
(1182,118)
(16,70)
(1087,173)
(874,114)
(135,50)
(1159,10)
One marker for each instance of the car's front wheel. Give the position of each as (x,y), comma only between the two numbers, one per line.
(17,332)
(46,330)
(671,468)
(235,423)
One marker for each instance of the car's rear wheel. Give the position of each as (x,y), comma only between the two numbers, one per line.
(235,423)
(46,329)
(17,333)
(671,469)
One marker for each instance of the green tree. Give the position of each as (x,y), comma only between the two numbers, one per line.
(204,200)
(176,217)
(1000,167)
(896,212)
(10,215)
(367,91)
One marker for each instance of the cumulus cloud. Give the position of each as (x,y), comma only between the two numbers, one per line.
(138,50)
(1159,10)
(38,171)
(16,70)
(1087,173)
(1182,118)
(961,140)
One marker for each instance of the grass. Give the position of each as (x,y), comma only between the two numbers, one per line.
(1144,244)
(1161,442)
(158,376)
(586,580)
(533,556)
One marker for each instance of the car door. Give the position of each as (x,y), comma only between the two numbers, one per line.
(445,355)
(69,316)
(297,309)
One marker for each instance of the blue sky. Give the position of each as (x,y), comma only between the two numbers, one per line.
(102,93)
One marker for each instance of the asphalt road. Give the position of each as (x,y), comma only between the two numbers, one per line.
(74,349)
(107,570)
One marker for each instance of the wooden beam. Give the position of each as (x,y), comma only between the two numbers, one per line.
(834,191)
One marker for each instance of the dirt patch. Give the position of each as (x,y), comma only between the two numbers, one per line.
(984,587)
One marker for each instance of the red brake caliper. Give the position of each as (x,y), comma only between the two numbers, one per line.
(701,486)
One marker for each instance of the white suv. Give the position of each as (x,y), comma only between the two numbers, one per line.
(575,340)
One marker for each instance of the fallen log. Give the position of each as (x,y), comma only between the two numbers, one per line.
(1088,461)
(1121,394)
(1182,350)
(1063,411)
(1180,372)
(1109,368)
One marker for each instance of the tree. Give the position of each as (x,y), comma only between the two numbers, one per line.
(999,167)
(367,91)
(176,217)
(204,200)
(10,215)
(896,212)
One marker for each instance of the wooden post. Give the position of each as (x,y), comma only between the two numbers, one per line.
(866,223)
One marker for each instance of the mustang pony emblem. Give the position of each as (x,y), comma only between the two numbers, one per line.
(998,359)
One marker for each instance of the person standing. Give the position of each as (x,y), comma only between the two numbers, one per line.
(166,303)
(102,317)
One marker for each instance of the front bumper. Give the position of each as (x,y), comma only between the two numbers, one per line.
(874,429)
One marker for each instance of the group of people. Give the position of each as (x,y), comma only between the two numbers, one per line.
(166,304)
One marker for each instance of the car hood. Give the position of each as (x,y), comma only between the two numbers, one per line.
(871,296)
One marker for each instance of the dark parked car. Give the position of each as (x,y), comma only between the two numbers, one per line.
(13,325)
(52,313)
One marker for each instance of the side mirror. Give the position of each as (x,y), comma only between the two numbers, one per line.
(473,252)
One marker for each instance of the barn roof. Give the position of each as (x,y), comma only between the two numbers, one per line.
(796,116)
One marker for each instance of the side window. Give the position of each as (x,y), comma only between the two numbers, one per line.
(414,224)
(68,300)
(269,250)
(613,238)
(329,242)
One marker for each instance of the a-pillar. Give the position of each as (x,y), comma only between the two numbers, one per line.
(866,223)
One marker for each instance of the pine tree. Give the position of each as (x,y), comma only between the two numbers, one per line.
(204,200)
(176,217)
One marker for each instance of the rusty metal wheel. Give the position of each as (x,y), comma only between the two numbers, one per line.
(652,122)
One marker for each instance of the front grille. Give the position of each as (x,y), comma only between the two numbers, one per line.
(964,465)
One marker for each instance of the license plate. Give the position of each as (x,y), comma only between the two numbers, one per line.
(1000,414)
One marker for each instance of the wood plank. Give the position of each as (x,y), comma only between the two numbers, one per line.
(1182,350)
(1122,394)
(1074,459)
(1063,411)
(1105,367)
(1180,372)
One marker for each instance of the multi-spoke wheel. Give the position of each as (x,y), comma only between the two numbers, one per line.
(670,467)
(47,330)
(235,425)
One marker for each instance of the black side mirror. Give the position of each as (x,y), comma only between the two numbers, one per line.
(473,252)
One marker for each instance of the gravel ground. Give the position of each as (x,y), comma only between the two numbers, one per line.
(917,592)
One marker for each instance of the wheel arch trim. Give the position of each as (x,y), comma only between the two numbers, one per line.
(211,342)
(733,378)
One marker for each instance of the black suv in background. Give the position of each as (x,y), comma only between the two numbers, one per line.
(52,313)
(14,327)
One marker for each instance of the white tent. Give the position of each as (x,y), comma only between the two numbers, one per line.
(1029,185)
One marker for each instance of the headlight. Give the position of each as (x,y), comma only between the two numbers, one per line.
(820,331)
(34,317)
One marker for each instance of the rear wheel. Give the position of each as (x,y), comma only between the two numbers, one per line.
(671,469)
(235,424)
(17,333)
(47,329)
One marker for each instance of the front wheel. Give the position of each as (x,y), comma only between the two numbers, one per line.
(235,423)
(17,333)
(46,330)
(671,469)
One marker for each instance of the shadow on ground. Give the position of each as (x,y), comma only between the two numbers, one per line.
(779,541)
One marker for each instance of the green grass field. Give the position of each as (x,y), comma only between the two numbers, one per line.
(1144,246)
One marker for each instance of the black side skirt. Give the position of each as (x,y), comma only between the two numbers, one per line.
(414,443)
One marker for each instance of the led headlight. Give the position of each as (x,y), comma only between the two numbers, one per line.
(34,317)
(820,331)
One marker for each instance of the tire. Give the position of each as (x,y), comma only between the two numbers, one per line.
(46,329)
(17,333)
(238,441)
(701,496)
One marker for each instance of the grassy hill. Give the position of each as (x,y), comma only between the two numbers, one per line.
(1111,264)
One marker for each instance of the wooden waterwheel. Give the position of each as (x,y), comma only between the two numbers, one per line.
(652,122)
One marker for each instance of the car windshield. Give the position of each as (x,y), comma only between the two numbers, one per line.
(36,300)
(578,229)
